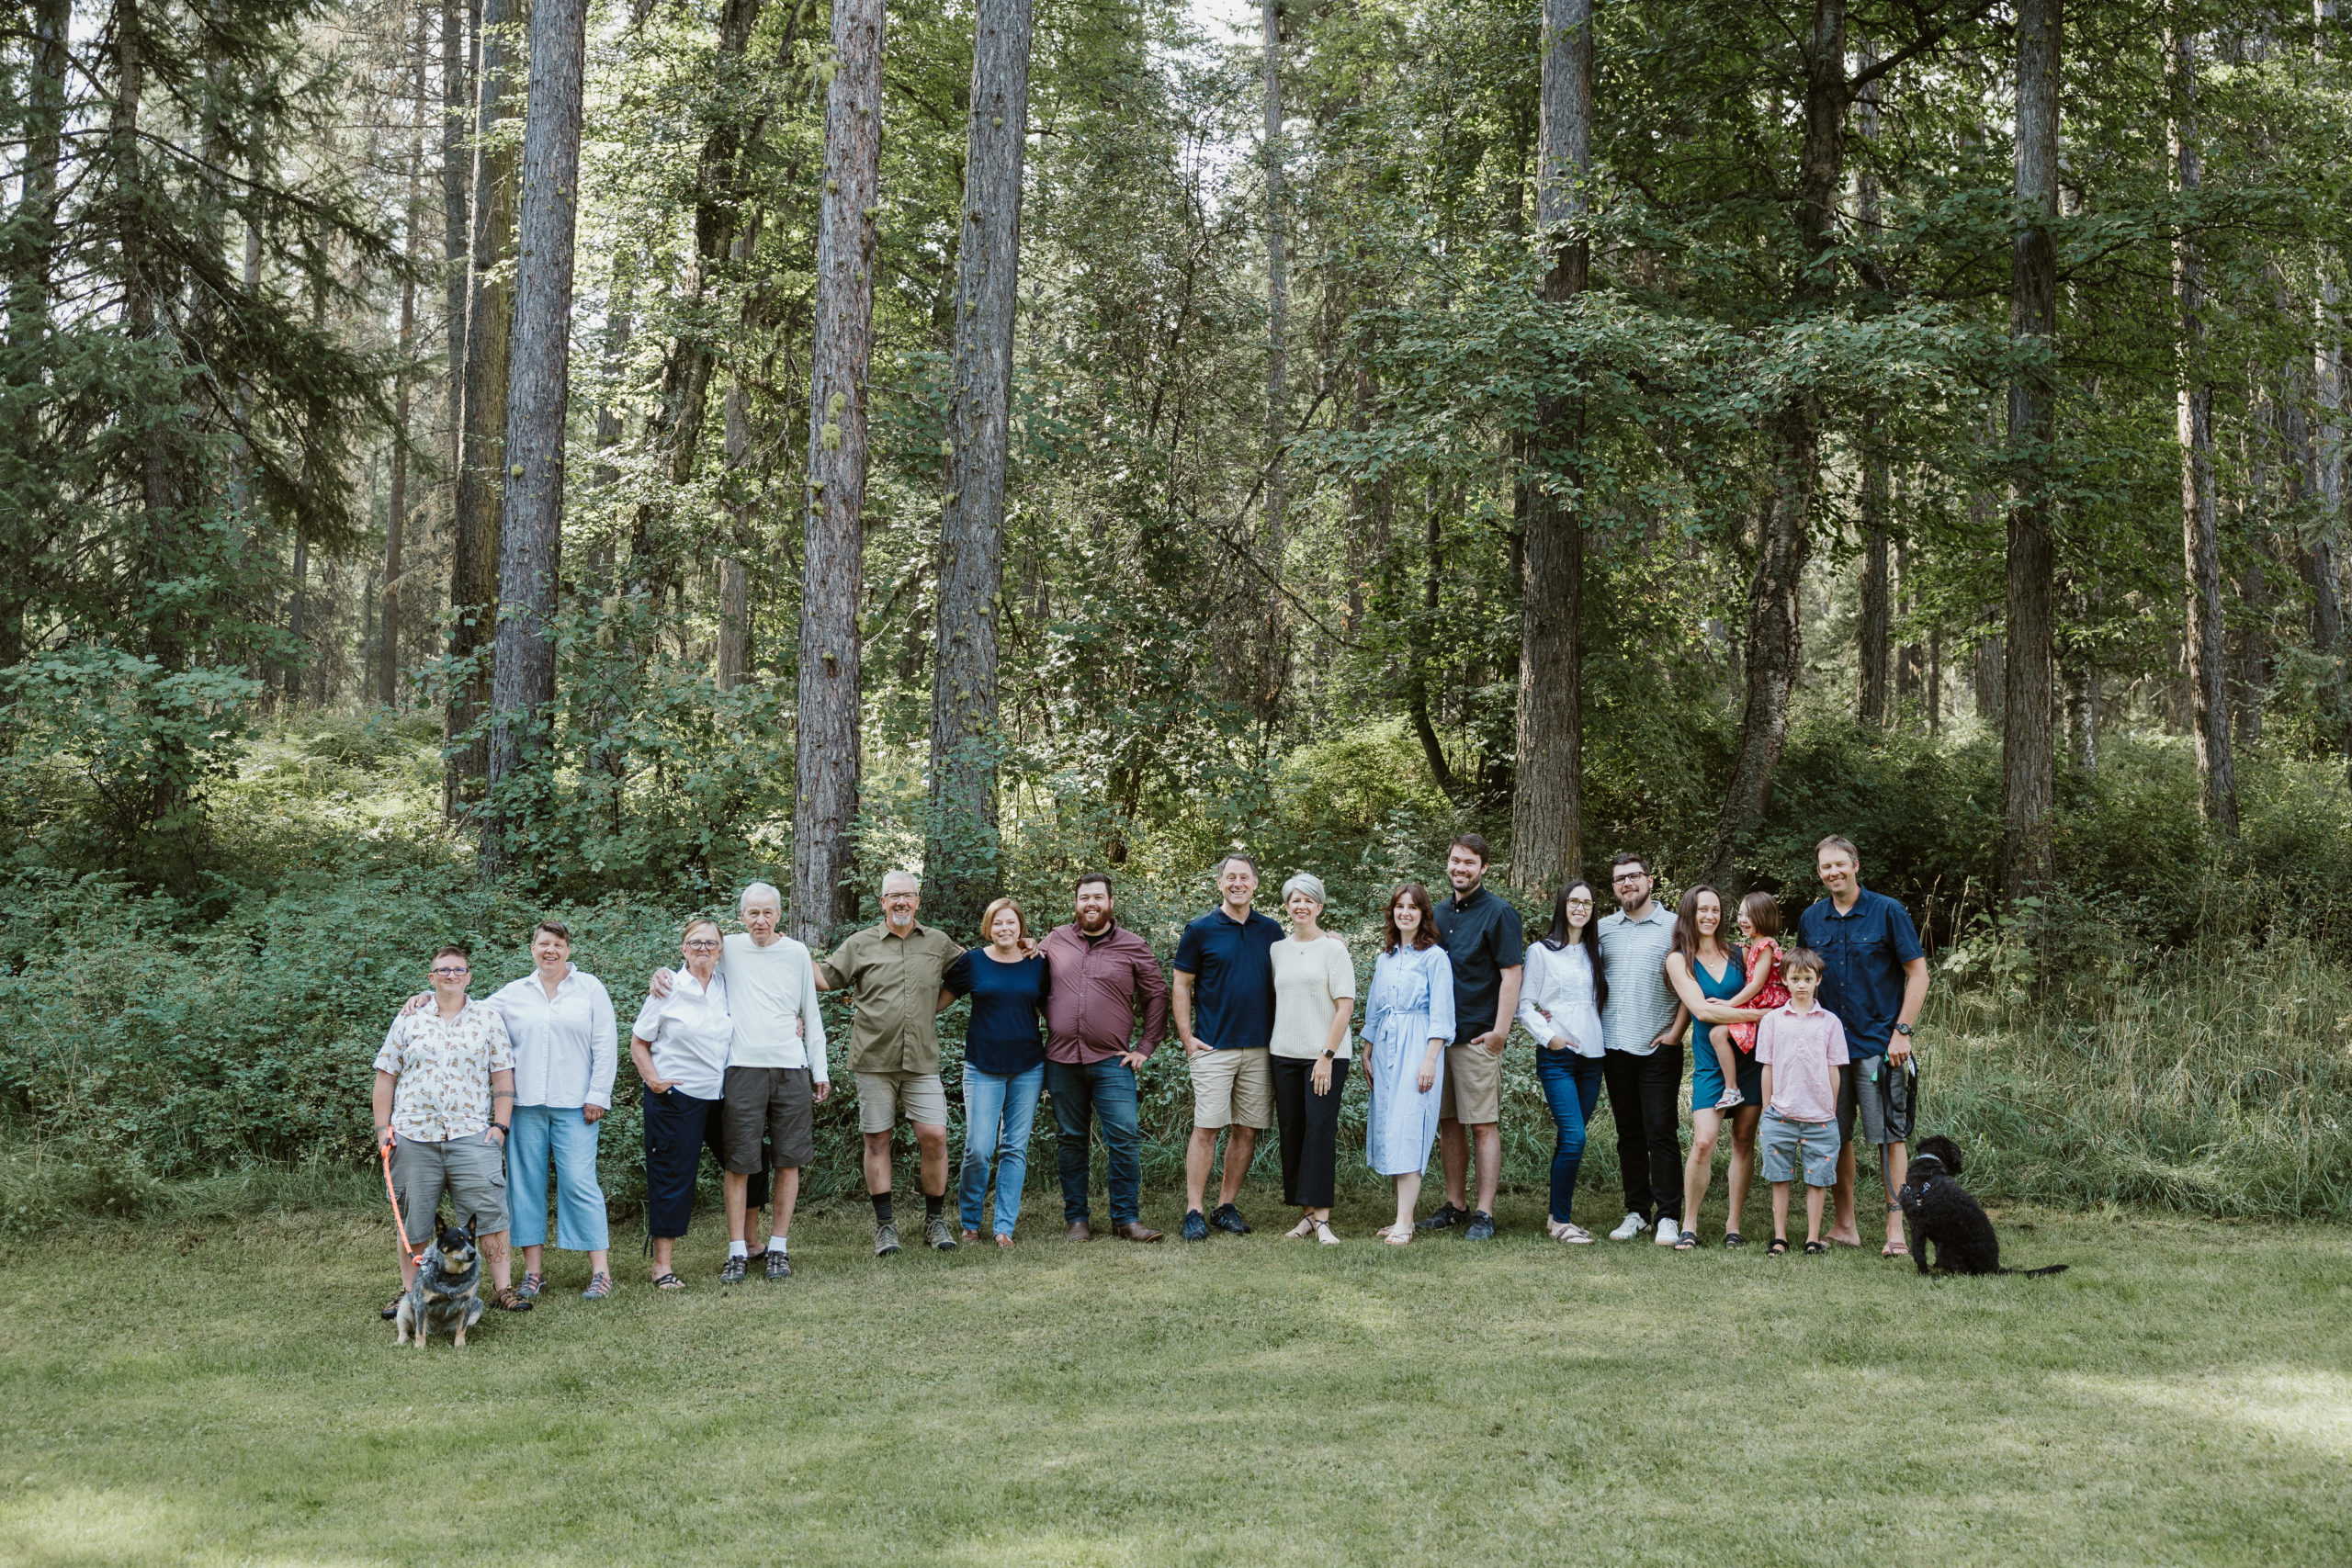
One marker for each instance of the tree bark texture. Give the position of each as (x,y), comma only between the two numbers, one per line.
(1547,799)
(2028,754)
(474,563)
(734,575)
(1785,533)
(1873,627)
(456,168)
(2203,624)
(530,530)
(388,641)
(31,262)
(832,575)
(2324,488)
(1273,657)
(960,856)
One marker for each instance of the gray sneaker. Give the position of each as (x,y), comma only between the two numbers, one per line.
(885,1240)
(936,1235)
(731,1271)
(779,1267)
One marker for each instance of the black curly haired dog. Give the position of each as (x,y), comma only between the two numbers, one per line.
(1940,1210)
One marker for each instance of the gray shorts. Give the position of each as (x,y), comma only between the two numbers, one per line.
(776,1101)
(1786,1142)
(471,1170)
(1881,1100)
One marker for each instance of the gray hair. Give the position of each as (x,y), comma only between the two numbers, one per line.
(759,890)
(1305,882)
(889,876)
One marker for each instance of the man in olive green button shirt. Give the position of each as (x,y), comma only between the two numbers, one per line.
(894,971)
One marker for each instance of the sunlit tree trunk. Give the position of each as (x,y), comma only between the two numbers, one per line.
(456,168)
(1272,675)
(1547,799)
(387,639)
(1873,626)
(31,261)
(481,469)
(2203,624)
(961,853)
(832,583)
(538,394)
(2029,756)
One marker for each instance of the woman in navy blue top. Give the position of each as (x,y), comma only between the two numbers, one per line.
(1004,1063)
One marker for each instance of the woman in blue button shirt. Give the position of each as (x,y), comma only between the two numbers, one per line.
(1408,1022)
(1004,1063)
(567,1048)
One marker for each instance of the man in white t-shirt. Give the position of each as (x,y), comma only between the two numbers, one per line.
(776,1077)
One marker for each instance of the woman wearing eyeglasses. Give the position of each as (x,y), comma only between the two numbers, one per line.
(1560,1005)
(679,1044)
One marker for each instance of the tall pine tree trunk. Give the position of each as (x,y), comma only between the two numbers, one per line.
(734,575)
(481,469)
(1547,802)
(456,168)
(31,262)
(2029,756)
(1272,673)
(388,640)
(2200,544)
(961,854)
(833,582)
(1784,534)
(538,392)
(1873,627)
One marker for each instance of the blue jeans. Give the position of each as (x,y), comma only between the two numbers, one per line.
(560,1130)
(1104,1091)
(997,1113)
(1572,1088)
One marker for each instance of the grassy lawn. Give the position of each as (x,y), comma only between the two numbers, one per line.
(2183,1394)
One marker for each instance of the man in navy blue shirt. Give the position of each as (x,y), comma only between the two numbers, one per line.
(1224,964)
(1875,977)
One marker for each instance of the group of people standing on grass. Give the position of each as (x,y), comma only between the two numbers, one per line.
(1792,1048)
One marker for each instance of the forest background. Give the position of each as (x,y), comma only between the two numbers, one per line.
(467,460)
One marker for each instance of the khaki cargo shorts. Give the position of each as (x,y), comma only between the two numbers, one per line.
(1233,1089)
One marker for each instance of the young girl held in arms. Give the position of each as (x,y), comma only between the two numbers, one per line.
(1759,928)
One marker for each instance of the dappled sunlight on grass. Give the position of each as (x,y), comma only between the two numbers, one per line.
(2298,1407)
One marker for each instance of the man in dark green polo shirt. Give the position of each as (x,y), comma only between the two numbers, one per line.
(894,972)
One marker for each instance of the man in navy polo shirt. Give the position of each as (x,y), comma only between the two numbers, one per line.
(1224,965)
(1876,979)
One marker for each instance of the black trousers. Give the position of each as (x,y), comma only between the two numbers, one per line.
(678,1127)
(1645,1100)
(1309,1123)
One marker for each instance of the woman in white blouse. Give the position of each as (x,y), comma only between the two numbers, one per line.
(1560,1004)
(560,1020)
(679,1044)
(1315,999)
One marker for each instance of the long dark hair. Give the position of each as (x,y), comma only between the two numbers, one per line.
(1557,937)
(1686,923)
(1424,935)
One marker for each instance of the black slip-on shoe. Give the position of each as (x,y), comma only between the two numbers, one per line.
(1446,1218)
(1195,1227)
(1227,1218)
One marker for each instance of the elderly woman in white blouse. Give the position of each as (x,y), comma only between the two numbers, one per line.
(679,1044)
(1559,1003)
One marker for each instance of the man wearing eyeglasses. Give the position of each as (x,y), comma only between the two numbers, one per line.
(444,1101)
(1642,1067)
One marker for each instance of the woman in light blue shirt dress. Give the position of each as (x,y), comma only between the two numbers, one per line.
(1408,1022)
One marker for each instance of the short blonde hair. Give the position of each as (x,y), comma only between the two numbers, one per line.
(698,921)
(988,918)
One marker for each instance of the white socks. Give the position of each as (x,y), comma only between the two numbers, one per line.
(738,1249)
(775,1244)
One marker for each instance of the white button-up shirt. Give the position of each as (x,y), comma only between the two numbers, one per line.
(1556,1000)
(1641,1001)
(689,1031)
(566,1048)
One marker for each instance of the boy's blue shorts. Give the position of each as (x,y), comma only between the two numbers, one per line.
(1785,1142)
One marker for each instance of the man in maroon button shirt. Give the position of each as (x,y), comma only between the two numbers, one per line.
(1104,976)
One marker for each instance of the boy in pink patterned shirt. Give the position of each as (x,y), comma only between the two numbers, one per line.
(1802,1048)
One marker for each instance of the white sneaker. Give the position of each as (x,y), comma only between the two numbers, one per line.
(1668,1232)
(1633,1226)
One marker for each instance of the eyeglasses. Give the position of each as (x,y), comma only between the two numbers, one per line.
(1580,903)
(703,946)
(449,974)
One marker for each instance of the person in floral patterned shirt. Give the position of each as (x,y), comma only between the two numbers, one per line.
(445,1103)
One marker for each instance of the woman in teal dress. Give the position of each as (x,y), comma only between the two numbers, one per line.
(1704,969)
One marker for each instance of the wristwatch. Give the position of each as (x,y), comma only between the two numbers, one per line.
(1904,1029)
(1329,1053)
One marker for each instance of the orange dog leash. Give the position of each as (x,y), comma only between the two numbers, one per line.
(415,1254)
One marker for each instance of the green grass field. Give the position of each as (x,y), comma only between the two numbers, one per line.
(2183,1394)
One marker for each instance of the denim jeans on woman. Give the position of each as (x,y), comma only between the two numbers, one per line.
(561,1135)
(998,1111)
(1572,1088)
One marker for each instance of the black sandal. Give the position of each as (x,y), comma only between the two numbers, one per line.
(1815,1248)
(1687,1241)
(668,1282)
(1778,1248)
(1732,1238)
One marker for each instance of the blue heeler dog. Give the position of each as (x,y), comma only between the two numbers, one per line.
(446,1295)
